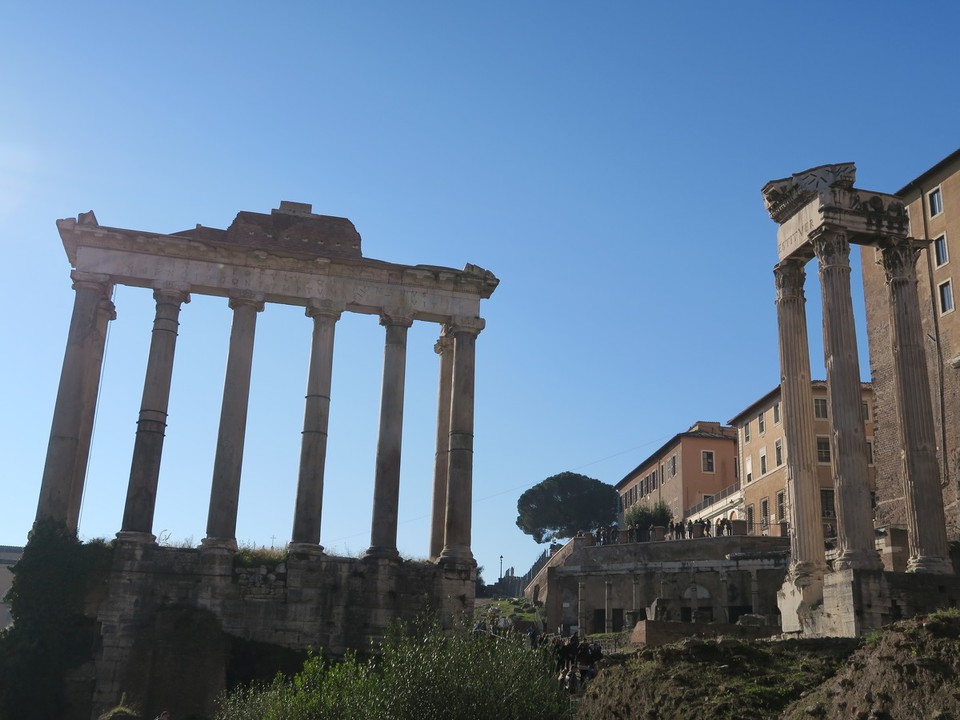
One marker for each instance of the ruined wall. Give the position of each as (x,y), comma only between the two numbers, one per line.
(169,615)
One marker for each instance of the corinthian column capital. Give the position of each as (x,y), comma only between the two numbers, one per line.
(832,249)
(789,276)
(463,324)
(899,260)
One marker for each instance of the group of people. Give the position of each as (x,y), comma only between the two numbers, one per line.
(675,531)
(576,661)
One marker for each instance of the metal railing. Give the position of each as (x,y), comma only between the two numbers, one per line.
(722,495)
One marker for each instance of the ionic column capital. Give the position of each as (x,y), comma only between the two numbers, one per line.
(101,282)
(324,308)
(444,342)
(254,300)
(172,293)
(396,320)
(899,259)
(463,324)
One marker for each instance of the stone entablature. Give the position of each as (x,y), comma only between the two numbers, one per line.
(225,263)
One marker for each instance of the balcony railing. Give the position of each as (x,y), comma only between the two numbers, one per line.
(713,499)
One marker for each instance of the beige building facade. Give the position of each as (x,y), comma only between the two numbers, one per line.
(933,206)
(763,459)
(692,467)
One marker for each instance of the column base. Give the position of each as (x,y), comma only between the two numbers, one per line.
(298,548)
(797,598)
(219,544)
(456,553)
(381,552)
(930,565)
(858,560)
(135,537)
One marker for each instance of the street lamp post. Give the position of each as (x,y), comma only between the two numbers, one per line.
(501,567)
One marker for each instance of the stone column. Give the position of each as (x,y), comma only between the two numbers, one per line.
(803,487)
(460,466)
(225,490)
(608,606)
(148,446)
(848,442)
(582,608)
(754,593)
(444,348)
(316,419)
(927,538)
(386,489)
(636,593)
(67,450)
(105,313)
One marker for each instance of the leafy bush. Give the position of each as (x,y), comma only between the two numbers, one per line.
(49,634)
(423,673)
(643,517)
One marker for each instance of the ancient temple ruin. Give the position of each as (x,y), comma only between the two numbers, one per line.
(295,257)
(820,214)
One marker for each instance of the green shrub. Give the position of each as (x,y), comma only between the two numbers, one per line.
(423,673)
(49,634)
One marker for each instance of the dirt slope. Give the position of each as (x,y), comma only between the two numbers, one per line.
(909,671)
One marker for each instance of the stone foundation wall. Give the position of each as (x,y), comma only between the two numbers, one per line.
(857,601)
(169,613)
(652,633)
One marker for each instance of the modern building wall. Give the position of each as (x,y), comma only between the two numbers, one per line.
(933,204)
(763,458)
(688,468)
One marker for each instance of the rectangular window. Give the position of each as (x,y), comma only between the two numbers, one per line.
(778,452)
(869,452)
(781,506)
(746,432)
(826,504)
(936,202)
(763,462)
(820,408)
(776,413)
(940,252)
(750,518)
(765,513)
(673,465)
(865,409)
(946,297)
(761,425)
(749,468)
(706,459)
(823,450)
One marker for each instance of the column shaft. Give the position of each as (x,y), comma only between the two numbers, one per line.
(225,489)
(444,348)
(141,501)
(460,463)
(316,418)
(105,313)
(64,469)
(848,442)
(927,538)
(803,487)
(386,490)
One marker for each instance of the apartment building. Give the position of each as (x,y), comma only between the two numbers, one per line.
(690,467)
(763,459)
(933,205)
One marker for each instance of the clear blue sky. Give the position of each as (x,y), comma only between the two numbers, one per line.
(604,160)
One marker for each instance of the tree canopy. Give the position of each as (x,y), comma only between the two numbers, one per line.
(565,504)
(642,516)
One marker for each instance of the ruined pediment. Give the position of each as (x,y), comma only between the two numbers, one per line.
(785,197)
